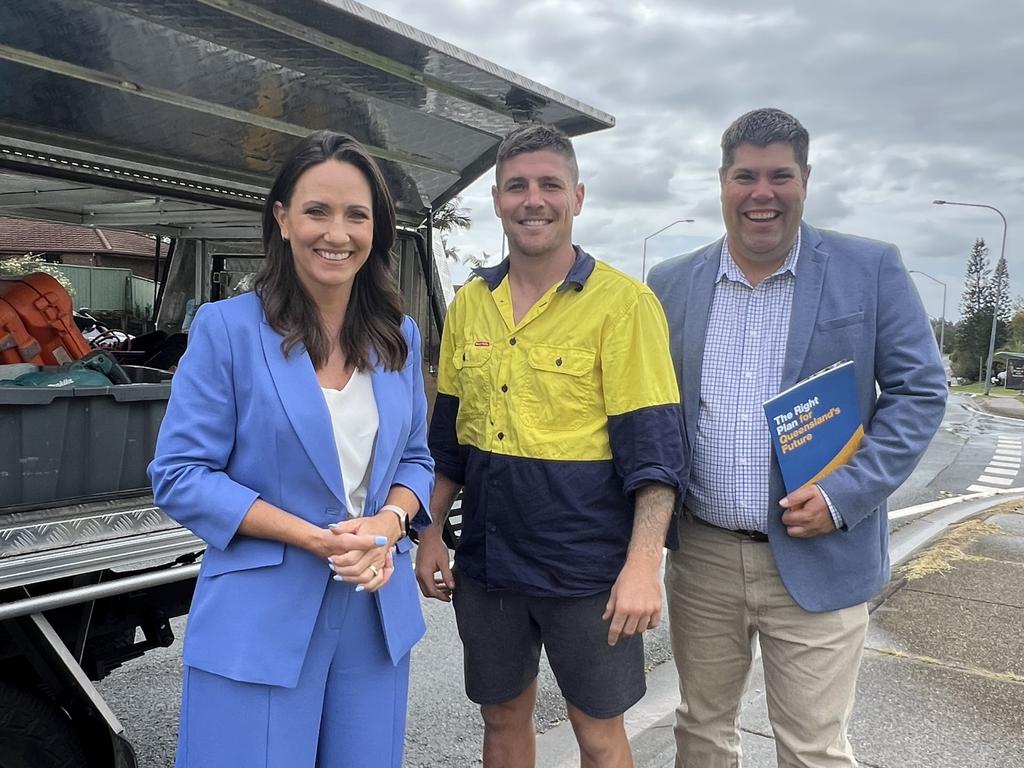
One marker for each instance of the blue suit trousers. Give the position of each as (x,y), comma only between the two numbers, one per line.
(347,711)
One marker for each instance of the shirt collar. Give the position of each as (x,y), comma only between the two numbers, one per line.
(581,269)
(727,267)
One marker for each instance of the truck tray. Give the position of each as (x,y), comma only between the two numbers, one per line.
(85,538)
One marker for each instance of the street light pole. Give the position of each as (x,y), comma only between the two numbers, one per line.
(643,268)
(995,299)
(942,328)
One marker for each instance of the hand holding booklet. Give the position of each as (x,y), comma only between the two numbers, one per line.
(815,425)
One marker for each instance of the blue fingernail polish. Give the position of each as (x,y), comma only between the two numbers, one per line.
(360,587)
(332,525)
(337,578)
(380,541)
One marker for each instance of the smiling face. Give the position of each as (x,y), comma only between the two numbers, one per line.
(536,197)
(329,225)
(763,194)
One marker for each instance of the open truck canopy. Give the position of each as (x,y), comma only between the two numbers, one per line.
(172,116)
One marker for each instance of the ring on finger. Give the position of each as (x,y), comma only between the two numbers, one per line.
(374,570)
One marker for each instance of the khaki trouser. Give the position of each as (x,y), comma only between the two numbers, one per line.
(722,589)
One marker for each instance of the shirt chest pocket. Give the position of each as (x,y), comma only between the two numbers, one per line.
(472,364)
(559,388)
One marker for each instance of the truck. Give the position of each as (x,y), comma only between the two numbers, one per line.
(170,117)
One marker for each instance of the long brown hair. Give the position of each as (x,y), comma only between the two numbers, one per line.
(373,319)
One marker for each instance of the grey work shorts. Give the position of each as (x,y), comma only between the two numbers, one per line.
(502,633)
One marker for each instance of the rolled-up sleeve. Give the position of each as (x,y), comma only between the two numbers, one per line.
(642,397)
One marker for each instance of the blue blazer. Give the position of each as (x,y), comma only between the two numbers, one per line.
(244,422)
(854,301)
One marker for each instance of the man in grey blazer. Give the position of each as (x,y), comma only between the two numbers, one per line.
(772,302)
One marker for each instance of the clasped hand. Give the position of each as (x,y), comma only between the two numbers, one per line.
(359,551)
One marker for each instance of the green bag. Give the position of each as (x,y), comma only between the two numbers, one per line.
(97,369)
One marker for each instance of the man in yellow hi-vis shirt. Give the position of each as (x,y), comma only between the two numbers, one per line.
(558,413)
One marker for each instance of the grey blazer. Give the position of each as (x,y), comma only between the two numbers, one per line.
(854,301)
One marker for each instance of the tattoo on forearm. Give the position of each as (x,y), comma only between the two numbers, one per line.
(650,522)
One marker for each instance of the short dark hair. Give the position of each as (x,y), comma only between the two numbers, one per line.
(534,138)
(373,319)
(762,127)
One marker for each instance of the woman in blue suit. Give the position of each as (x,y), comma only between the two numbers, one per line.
(294,445)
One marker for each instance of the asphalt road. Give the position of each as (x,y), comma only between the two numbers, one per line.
(444,728)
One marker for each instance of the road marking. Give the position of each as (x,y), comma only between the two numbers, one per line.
(1002,468)
(995,480)
(977,492)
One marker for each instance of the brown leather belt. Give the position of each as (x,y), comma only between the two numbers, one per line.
(741,532)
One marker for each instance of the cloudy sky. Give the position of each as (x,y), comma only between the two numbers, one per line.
(905,103)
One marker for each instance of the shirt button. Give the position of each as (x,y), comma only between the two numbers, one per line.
(492,528)
(744,417)
(512,341)
(504,387)
(501,435)
(748,376)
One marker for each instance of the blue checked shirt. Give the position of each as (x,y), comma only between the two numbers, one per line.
(744,352)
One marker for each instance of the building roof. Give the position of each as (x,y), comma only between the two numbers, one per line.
(25,236)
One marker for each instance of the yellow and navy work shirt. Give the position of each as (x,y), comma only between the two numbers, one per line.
(552,424)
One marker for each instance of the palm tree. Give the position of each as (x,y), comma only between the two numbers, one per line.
(446,219)
(451,216)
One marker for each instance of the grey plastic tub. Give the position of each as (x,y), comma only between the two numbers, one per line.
(59,446)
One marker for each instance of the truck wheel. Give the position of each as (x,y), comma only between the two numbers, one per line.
(35,733)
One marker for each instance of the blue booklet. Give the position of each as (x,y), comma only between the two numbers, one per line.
(815,425)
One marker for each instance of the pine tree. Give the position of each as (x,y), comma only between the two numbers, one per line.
(1001,290)
(973,299)
(976,306)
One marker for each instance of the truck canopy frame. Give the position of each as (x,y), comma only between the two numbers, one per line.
(171,116)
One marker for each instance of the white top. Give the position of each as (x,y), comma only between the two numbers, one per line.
(355,420)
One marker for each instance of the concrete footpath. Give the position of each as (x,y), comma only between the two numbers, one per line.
(942,681)
(1002,405)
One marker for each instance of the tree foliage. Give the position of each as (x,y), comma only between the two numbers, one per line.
(1001,290)
(448,218)
(19,266)
(1015,326)
(984,291)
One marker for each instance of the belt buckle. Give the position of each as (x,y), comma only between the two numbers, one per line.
(752,535)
